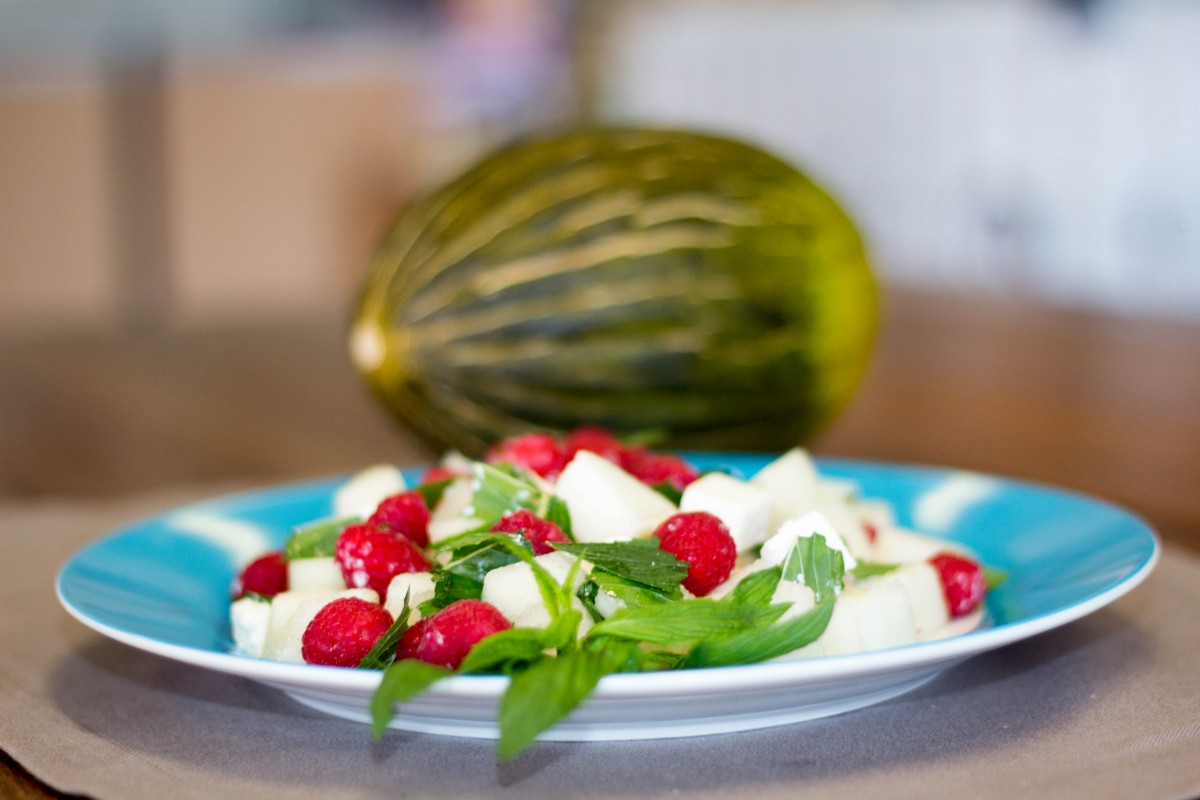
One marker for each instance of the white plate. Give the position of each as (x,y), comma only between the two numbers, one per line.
(162,586)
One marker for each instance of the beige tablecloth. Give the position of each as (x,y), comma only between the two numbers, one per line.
(1108,706)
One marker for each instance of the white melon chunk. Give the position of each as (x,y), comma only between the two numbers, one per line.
(842,636)
(607,503)
(314,573)
(744,507)
(418,586)
(923,587)
(883,613)
(362,494)
(895,545)
(791,481)
(513,590)
(291,612)
(450,518)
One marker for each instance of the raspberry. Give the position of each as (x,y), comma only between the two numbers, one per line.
(594,440)
(538,531)
(343,632)
(871,531)
(405,514)
(962,582)
(446,637)
(537,452)
(656,468)
(371,557)
(266,575)
(703,541)
(438,473)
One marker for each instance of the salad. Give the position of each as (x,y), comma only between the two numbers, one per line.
(558,561)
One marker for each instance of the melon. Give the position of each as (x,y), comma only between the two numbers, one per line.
(653,282)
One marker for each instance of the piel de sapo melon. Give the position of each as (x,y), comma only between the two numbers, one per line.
(642,280)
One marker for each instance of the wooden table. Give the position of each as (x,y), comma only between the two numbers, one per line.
(1102,405)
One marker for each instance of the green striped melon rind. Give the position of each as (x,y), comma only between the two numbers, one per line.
(643,280)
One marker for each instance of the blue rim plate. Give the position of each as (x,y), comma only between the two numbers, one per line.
(161,585)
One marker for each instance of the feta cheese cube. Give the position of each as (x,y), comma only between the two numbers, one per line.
(744,507)
(775,550)
(292,611)
(513,590)
(248,619)
(314,573)
(419,588)
(606,503)
(362,494)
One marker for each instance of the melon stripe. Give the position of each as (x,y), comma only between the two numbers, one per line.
(593,255)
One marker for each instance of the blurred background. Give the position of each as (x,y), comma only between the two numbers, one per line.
(190,190)
(189,162)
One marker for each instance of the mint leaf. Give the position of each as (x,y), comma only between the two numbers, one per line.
(869,569)
(498,491)
(478,554)
(993,577)
(669,491)
(432,492)
(558,513)
(640,560)
(383,652)
(401,682)
(685,622)
(757,588)
(316,539)
(551,688)
(449,587)
(812,562)
(632,593)
(761,645)
(505,650)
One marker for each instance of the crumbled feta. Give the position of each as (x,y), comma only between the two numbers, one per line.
(248,618)
(776,549)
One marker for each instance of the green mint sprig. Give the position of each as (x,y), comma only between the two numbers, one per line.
(316,539)
(638,560)
(812,562)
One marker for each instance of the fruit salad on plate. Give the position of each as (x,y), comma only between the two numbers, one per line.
(559,560)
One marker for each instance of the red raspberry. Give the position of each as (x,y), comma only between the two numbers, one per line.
(371,557)
(594,440)
(405,514)
(446,637)
(962,582)
(343,632)
(703,541)
(655,468)
(438,473)
(537,452)
(871,531)
(540,532)
(266,575)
